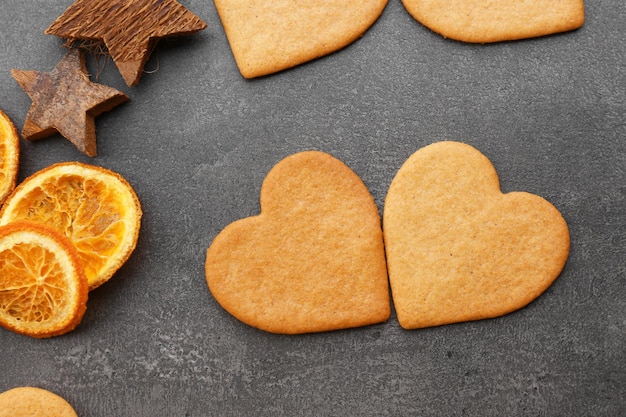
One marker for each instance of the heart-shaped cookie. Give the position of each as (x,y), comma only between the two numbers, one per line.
(313,260)
(458,249)
(270,36)
(483,21)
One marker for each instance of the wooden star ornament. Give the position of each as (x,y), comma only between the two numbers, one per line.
(128,28)
(66,101)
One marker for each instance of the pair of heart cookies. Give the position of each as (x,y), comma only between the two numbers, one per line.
(270,36)
(453,247)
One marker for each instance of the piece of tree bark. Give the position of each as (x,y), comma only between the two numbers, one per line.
(129,29)
(66,101)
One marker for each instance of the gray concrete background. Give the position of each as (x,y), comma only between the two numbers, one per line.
(196,140)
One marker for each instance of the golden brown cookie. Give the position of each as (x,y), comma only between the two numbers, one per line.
(484,21)
(313,260)
(458,249)
(33,402)
(269,36)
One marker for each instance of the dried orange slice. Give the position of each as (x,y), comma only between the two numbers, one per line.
(96,208)
(9,155)
(43,290)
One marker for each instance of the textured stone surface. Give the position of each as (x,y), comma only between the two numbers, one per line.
(196,141)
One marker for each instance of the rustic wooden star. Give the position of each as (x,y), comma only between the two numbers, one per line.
(128,28)
(66,101)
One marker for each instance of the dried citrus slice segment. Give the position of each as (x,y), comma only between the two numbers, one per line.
(96,208)
(9,155)
(43,290)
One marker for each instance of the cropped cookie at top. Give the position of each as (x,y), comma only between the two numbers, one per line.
(34,402)
(485,21)
(458,249)
(270,36)
(313,260)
